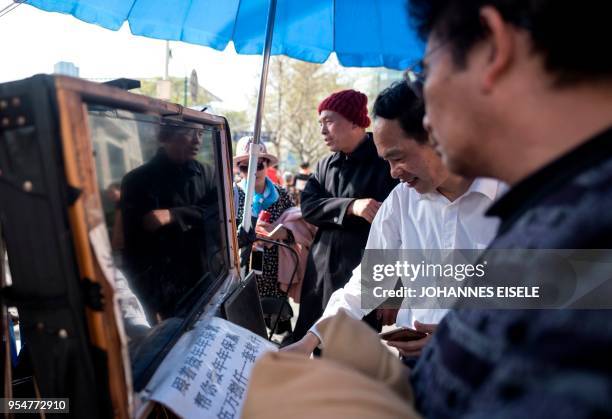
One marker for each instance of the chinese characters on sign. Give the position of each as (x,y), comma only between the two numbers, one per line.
(207,372)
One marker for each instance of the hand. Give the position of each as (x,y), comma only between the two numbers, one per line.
(262,228)
(413,348)
(303,346)
(155,219)
(387,315)
(364,208)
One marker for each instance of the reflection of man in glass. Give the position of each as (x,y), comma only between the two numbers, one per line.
(166,204)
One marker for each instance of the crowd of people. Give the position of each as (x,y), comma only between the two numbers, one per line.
(503,142)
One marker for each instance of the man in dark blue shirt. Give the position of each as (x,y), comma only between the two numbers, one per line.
(531,79)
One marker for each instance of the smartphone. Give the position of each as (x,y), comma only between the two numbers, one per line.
(276,229)
(403,334)
(267,235)
(257,256)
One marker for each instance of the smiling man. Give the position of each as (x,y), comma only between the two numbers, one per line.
(430,209)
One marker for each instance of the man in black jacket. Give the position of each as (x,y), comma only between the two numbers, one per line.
(170,219)
(341,198)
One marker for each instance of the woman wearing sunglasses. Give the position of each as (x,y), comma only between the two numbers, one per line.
(275,200)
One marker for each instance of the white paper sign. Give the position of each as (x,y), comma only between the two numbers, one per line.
(206,373)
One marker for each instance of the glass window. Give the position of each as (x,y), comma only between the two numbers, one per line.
(164,213)
(161,193)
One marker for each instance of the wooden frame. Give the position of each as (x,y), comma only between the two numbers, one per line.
(106,330)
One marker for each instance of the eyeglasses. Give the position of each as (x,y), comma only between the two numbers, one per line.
(245,167)
(418,70)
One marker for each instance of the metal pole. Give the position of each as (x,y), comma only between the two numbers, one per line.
(185,92)
(255,149)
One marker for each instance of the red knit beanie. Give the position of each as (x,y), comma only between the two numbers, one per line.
(351,104)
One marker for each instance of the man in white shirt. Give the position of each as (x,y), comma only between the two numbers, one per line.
(430,209)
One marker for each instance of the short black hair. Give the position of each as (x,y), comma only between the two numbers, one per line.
(305,165)
(403,100)
(573,37)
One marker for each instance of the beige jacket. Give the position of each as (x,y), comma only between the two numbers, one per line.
(357,378)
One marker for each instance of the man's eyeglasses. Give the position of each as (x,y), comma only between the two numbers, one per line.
(418,69)
(245,167)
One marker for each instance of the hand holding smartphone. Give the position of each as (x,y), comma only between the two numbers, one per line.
(402,334)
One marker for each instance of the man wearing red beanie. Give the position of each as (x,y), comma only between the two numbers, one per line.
(341,198)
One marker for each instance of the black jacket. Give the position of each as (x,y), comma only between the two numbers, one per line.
(162,266)
(338,180)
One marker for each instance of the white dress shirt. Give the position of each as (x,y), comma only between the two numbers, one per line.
(410,220)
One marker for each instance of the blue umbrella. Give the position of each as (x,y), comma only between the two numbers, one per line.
(362,33)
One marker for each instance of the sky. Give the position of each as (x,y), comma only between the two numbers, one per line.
(33,41)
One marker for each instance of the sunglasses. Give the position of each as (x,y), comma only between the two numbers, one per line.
(245,168)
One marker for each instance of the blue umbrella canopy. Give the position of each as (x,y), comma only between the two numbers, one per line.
(362,33)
